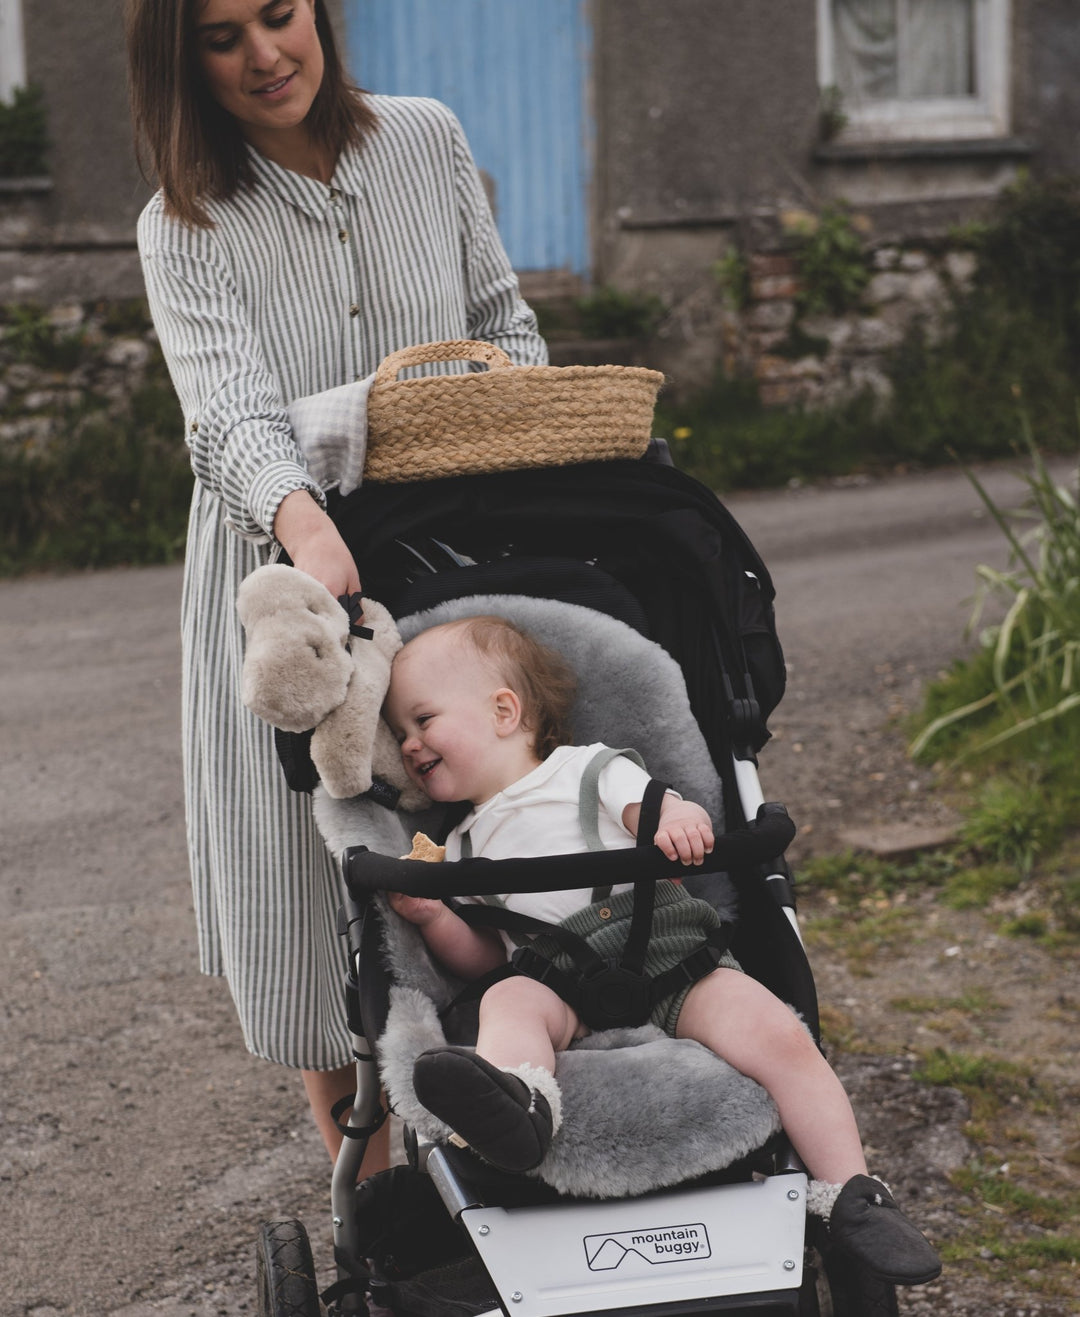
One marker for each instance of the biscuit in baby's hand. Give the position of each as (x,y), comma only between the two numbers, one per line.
(423,848)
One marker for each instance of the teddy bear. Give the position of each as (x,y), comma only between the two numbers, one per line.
(306,668)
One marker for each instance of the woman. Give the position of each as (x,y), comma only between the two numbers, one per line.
(302,231)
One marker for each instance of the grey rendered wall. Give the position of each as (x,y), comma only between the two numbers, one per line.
(1048,92)
(706,115)
(75,51)
(76,240)
(707,129)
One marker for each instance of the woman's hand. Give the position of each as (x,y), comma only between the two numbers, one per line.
(314,545)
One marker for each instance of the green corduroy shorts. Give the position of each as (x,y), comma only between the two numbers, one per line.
(680,923)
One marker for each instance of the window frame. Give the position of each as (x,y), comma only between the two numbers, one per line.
(984,115)
(12,48)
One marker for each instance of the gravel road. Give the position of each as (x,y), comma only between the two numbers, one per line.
(139,1144)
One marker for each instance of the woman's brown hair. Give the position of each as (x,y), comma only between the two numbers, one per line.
(196,148)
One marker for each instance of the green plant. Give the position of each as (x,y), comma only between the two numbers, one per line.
(728,439)
(977,1001)
(130,316)
(614,313)
(832,117)
(1033,925)
(31,337)
(1010,822)
(854,879)
(989,1185)
(104,490)
(1034,652)
(831,260)
(732,273)
(1029,253)
(989,1083)
(24,137)
(975,886)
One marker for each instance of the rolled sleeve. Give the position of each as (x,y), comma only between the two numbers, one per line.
(623,783)
(271,485)
(237,426)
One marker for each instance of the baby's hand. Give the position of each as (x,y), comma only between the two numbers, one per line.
(419,910)
(685,832)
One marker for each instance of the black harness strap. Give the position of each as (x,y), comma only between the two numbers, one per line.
(605,992)
(637,940)
(513,921)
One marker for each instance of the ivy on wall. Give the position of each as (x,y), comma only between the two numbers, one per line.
(24,136)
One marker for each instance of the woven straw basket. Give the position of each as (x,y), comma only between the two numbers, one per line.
(502,419)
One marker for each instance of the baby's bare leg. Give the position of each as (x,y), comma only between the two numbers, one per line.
(522,1022)
(744,1023)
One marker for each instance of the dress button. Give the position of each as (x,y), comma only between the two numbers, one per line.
(354,309)
(194,427)
(604,912)
(343,234)
(334,194)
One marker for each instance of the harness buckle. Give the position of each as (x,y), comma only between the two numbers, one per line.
(528,962)
(613,997)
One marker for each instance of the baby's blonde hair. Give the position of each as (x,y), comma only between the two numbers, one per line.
(539,675)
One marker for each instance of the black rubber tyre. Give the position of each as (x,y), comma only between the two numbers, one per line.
(815,1299)
(285,1272)
(854,1293)
(833,1286)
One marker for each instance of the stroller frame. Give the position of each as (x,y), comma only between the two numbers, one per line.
(738,1246)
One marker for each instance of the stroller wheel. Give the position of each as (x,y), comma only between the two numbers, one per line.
(855,1293)
(285,1272)
(833,1286)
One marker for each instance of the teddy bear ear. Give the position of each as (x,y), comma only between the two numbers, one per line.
(380,622)
(276,588)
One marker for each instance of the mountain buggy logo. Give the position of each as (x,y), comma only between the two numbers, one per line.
(664,1244)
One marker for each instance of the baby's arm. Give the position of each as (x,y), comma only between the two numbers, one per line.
(685,832)
(467,952)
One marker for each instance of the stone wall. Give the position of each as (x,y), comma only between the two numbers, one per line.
(94,356)
(69,361)
(816,360)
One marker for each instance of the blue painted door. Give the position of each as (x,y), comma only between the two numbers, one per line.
(514,72)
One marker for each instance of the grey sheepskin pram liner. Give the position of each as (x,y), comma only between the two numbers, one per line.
(641,1111)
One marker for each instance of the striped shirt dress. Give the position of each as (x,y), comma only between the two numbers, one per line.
(298,287)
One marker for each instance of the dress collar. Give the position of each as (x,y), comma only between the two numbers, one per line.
(308,194)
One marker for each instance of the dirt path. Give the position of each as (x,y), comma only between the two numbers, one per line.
(140,1145)
(951,981)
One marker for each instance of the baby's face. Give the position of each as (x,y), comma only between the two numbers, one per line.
(440,707)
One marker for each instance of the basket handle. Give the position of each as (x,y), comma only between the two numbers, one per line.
(420,354)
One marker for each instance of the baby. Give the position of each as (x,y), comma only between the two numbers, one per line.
(481,711)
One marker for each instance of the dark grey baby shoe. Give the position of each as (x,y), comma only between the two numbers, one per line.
(498,1114)
(868,1226)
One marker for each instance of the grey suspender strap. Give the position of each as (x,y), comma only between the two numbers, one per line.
(589,802)
(589,793)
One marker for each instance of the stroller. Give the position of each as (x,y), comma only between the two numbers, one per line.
(670,1189)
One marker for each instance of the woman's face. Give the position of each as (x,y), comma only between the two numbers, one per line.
(262,61)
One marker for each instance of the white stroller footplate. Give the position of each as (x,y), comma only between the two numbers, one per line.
(678,1247)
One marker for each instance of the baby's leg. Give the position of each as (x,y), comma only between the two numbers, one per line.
(744,1023)
(522,1022)
(754,1031)
(503,1099)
